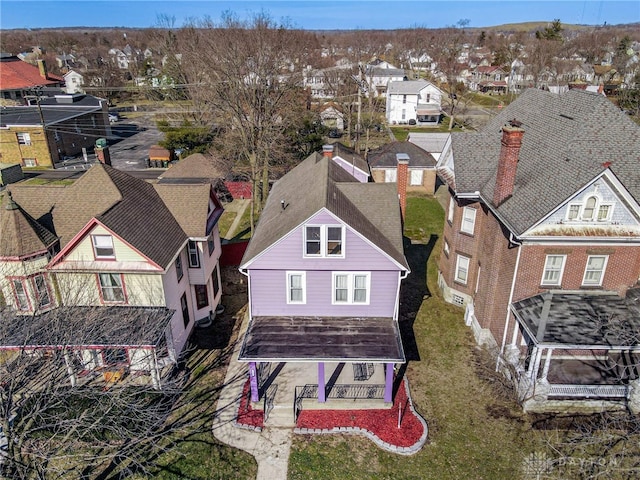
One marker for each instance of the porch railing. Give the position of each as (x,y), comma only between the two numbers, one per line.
(337,391)
(589,391)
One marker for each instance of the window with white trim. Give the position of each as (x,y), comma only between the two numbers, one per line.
(296,287)
(390,175)
(592,209)
(594,271)
(30,162)
(202,296)
(415,177)
(468,220)
(42,290)
(111,287)
(324,241)
(103,246)
(452,207)
(20,293)
(553,269)
(351,288)
(446,248)
(194,255)
(23,138)
(462,269)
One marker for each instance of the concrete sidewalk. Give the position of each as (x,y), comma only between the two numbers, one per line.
(270,447)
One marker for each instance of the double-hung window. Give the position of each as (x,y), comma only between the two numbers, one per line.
(202,297)
(296,287)
(324,241)
(415,177)
(462,269)
(468,220)
(351,288)
(451,210)
(22,300)
(194,255)
(594,271)
(42,291)
(553,268)
(23,138)
(103,246)
(179,270)
(111,287)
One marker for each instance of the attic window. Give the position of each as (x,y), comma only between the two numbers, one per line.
(103,246)
(324,241)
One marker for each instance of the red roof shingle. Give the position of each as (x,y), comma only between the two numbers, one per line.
(16,74)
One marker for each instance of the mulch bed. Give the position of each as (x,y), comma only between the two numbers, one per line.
(247,415)
(382,423)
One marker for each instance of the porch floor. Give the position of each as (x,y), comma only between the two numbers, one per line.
(594,371)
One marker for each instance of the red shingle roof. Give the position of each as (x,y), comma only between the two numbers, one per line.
(16,74)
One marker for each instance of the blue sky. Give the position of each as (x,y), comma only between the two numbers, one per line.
(315,14)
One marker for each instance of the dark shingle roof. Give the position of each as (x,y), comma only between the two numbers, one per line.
(385,156)
(317,183)
(567,140)
(350,155)
(20,234)
(128,206)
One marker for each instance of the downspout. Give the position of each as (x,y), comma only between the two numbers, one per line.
(513,286)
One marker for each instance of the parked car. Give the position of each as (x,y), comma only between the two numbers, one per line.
(113,117)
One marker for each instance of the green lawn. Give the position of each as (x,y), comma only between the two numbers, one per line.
(474,432)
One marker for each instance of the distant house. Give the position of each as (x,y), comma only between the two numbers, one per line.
(489,79)
(379,74)
(412,101)
(421,171)
(332,116)
(541,246)
(324,268)
(59,127)
(74,82)
(19,79)
(131,265)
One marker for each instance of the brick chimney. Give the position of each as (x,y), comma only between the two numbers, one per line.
(102,151)
(327,151)
(508,161)
(42,67)
(402,179)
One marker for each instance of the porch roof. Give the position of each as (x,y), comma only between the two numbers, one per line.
(581,320)
(330,339)
(111,326)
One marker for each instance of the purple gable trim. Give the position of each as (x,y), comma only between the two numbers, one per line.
(287,253)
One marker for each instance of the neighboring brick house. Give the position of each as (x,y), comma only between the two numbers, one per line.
(18,79)
(116,250)
(421,174)
(542,245)
(60,126)
(324,269)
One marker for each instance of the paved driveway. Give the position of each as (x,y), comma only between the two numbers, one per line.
(130,142)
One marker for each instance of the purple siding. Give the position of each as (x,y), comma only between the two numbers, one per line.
(269,279)
(359,254)
(355,171)
(269,295)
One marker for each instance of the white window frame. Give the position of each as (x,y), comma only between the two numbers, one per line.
(350,287)
(596,216)
(112,288)
(446,248)
(459,267)
(390,175)
(607,217)
(24,138)
(104,242)
(552,269)
(324,241)
(303,287)
(574,206)
(416,177)
(468,222)
(451,210)
(587,271)
(193,253)
(30,162)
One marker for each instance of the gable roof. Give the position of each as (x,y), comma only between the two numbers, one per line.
(317,183)
(20,234)
(129,207)
(196,165)
(189,204)
(407,87)
(385,156)
(16,74)
(565,145)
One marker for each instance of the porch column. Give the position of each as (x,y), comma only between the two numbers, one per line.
(253,381)
(388,384)
(514,338)
(536,364)
(547,363)
(322,386)
(72,374)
